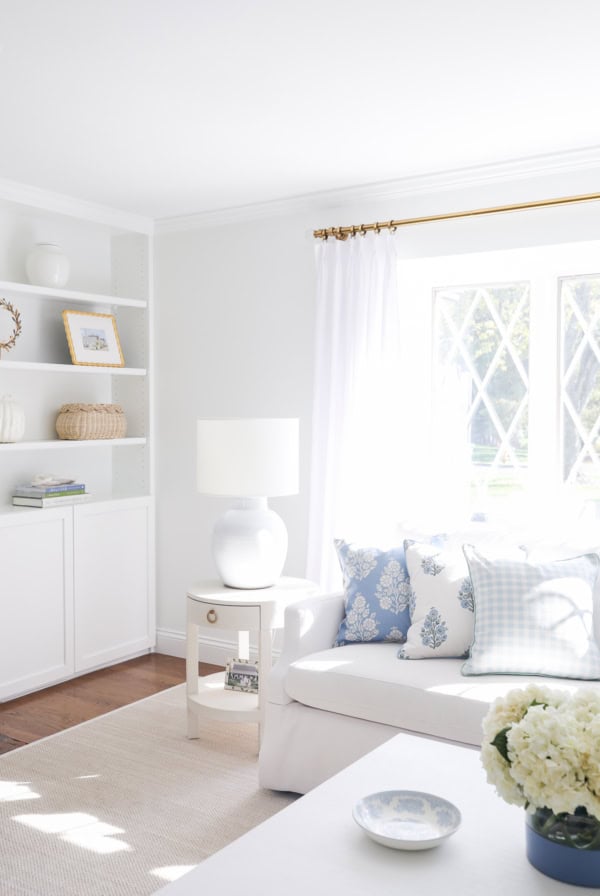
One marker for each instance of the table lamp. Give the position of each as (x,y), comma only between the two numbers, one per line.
(249,460)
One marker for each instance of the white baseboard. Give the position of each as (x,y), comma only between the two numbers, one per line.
(210,650)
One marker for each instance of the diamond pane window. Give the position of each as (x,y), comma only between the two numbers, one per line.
(580,393)
(481,364)
(502,362)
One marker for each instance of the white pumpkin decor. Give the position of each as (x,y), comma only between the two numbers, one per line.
(12,420)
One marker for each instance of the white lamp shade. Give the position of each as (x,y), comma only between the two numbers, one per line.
(248,457)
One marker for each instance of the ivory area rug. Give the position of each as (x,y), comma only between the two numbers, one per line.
(125,803)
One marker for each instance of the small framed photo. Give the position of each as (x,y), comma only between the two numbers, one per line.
(93,339)
(241,675)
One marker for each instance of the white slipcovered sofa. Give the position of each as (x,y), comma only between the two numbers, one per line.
(327,706)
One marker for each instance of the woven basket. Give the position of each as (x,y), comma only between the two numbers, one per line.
(91,421)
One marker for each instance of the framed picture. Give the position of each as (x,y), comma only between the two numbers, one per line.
(241,675)
(93,339)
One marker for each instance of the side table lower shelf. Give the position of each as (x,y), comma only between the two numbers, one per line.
(221,703)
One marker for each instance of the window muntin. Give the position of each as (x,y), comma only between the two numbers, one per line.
(481,344)
(580,383)
(509,398)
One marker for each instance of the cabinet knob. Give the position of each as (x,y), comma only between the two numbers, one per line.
(211,616)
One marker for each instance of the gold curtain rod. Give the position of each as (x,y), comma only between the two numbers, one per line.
(342,233)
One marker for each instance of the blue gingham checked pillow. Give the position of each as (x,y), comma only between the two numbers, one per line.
(376,594)
(533,618)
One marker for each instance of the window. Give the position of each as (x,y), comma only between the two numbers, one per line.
(580,374)
(505,349)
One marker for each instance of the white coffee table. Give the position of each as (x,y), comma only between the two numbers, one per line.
(314,847)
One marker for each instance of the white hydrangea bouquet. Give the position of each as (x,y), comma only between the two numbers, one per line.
(541,750)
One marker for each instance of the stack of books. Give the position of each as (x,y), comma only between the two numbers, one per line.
(49,495)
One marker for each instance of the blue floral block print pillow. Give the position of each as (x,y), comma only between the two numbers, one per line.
(441,603)
(376,594)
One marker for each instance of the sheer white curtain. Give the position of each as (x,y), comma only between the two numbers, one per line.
(358,398)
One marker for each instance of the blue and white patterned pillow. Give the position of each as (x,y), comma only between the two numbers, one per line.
(441,607)
(376,594)
(533,618)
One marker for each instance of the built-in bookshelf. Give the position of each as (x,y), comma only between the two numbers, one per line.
(88,591)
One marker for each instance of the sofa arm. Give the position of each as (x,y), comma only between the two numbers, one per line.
(309,625)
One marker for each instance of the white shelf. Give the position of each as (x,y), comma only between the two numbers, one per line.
(91,500)
(44,367)
(221,703)
(70,443)
(71,295)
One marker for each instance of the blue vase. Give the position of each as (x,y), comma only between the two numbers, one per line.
(564,846)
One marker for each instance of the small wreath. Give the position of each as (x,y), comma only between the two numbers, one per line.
(10,343)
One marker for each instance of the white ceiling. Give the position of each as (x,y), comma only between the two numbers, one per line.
(171,107)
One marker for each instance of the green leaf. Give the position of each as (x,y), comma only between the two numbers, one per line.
(501,743)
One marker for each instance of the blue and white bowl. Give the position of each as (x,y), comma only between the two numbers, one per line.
(407,819)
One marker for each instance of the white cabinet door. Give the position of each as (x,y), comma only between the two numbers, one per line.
(114,581)
(36,599)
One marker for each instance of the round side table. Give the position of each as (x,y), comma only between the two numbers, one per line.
(214,605)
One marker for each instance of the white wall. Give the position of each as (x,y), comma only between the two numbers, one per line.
(234,338)
(235,334)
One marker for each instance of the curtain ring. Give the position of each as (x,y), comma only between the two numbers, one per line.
(353,231)
(377,227)
(363,232)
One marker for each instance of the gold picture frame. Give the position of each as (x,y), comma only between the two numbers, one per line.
(93,339)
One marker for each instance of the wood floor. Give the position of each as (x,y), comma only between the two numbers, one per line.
(53,709)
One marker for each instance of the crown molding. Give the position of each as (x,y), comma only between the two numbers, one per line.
(238,213)
(58,203)
(414,185)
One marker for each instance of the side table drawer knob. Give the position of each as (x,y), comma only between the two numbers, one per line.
(212,616)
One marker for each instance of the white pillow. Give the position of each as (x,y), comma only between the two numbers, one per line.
(441,603)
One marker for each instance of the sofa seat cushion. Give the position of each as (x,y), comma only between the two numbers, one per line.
(368,681)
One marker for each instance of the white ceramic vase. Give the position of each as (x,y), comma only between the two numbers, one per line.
(47,265)
(12,420)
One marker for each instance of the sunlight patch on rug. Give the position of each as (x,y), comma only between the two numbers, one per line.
(13,791)
(172,872)
(78,828)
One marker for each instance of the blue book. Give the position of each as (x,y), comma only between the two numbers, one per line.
(46,491)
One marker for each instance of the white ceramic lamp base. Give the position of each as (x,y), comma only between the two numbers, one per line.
(250,545)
